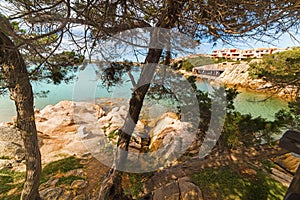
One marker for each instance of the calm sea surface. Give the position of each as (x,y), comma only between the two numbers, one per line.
(87,85)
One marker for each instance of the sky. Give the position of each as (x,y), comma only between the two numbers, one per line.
(207,48)
(121,54)
(283,42)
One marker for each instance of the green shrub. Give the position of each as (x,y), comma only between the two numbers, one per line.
(135,187)
(10,180)
(4,157)
(113,134)
(225,183)
(187,66)
(67,180)
(60,166)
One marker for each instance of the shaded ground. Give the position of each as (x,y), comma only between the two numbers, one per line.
(226,183)
(73,177)
(95,171)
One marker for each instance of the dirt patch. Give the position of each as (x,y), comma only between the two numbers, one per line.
(94,171)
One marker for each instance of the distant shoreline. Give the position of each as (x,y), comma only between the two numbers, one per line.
(255,85)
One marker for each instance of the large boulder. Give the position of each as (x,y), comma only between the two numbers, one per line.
(52,193)
(114,120)
(188,190)
(79,128)
(64,125)
(11,148)
(11,142)
(178,189)
(65,116)
(170,137)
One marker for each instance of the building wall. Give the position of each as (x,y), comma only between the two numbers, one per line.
(237,54)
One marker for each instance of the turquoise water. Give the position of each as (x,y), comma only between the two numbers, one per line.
(252,103)
(89,86)
(249,102)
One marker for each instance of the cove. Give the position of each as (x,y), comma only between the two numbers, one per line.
(247,102)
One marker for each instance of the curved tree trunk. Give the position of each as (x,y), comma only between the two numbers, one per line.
(17,80)
(111,188)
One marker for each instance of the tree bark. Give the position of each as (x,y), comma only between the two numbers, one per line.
(17,80)
(111,188)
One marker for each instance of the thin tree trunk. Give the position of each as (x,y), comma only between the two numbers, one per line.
(111,188)
(17,80)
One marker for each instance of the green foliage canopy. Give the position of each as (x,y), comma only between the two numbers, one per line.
(281,68)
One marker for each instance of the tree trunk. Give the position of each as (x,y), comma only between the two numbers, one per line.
(17,80)
(111,188)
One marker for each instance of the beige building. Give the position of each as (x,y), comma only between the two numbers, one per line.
(237,54)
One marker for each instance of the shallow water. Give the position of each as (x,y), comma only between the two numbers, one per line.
(88,86)
(248,102)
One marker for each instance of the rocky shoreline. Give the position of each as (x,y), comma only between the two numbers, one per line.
(237,75)
(63,128)
(72,128)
